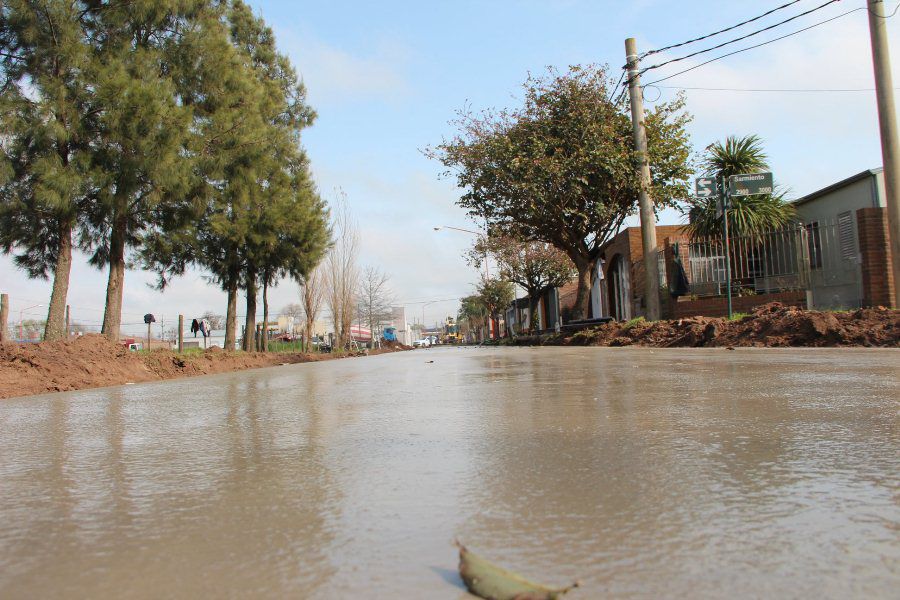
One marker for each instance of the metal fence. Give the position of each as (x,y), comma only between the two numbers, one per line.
(820,257)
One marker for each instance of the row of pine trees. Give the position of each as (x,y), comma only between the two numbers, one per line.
(163,134)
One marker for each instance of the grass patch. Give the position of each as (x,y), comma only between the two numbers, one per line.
(635,321)
(738,316)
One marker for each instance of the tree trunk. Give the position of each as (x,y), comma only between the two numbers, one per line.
(231,315)
(585,276)
(250,322)
(307,334)
(265,327)
(55,328)
(533,299)
(112,317)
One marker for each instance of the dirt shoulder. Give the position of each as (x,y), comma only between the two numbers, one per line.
(93,361)
(771,325)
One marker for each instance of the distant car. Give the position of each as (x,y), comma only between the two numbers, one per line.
(423,343)
(320,344)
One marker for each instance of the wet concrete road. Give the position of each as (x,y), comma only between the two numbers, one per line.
(643,473)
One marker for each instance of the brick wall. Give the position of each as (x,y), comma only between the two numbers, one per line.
(718,307)
(874,247)
(628,243)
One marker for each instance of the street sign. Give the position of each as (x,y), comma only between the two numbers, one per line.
(750,184)
(706,187)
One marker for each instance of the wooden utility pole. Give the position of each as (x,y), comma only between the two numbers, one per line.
(4,316)
(648,219)
(180,333)
(887,120)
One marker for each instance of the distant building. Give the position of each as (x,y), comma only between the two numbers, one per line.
(401,324)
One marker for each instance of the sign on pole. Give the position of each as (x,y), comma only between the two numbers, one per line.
(706,187)
(750,184)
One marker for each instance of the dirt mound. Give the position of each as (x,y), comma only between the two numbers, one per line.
(93,361)
(394,346)
(770,325)
(87,361)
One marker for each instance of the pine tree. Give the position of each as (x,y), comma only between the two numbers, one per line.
(252,214)
(48,129)
(138,165)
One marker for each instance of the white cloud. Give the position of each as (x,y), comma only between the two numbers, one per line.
(813,139)
(335,74)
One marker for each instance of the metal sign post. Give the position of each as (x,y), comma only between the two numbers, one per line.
(726,196)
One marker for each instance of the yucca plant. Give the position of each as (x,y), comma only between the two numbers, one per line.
(748,215)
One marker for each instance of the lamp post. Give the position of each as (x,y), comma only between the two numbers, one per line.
(487,274)
(21,313)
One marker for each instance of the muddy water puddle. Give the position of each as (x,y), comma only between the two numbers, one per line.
(642,473)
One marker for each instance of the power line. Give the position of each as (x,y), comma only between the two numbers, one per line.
(797,90)
(743,37)
(715,33)
(757,45)
(618,83)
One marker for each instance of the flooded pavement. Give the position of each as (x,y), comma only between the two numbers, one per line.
(643,473)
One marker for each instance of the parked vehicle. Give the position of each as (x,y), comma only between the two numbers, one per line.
(423,343)
(320,344)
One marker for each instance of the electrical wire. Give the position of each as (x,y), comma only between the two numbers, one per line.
(715,33)
(682,72)
(787,90)
(618,83)
(743,37)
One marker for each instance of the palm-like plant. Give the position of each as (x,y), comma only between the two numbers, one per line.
(748,215)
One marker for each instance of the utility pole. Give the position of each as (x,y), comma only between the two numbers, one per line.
(648,220)
(4,316)
(887,120)
(180,334)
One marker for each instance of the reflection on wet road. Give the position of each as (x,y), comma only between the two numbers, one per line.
(643,473)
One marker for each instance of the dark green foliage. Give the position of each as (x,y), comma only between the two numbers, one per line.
(561,169)
(748,215)
(47,131)
(169,129)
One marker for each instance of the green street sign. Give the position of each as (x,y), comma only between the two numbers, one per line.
(705,187)
(750,184)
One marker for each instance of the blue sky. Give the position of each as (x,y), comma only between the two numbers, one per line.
(387,77)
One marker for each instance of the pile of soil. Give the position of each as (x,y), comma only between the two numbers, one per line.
(770,325)
(394,346)
(93,361)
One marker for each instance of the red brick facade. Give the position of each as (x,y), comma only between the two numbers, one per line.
(629,246)
(874,247)
(718,307)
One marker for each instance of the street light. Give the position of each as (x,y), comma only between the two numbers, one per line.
(21,312)
(487,274)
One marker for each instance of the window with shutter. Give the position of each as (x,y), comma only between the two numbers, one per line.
(846,235)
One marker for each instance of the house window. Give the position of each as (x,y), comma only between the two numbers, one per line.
(814,245)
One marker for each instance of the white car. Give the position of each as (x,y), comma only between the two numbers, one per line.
(423,343)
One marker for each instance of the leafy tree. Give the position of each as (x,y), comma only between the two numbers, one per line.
(295,239)
(535,266)
(495,295)
(138,161)
(47,134)
(472,314)
(561,168)
(253,213)
(748,215)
